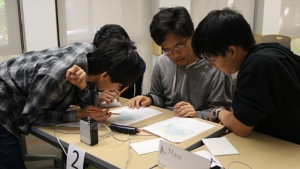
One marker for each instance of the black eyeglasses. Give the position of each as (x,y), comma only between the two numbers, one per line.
(210,62)
(169,52)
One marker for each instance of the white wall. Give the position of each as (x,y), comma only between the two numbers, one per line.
(271,17)
(277,17)
(200,8)
(39,24)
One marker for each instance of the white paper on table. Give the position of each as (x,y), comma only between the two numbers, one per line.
(129,116)
(178,129)
(209,156)
(75,124)
(115,103)
(220,146)
(145,147)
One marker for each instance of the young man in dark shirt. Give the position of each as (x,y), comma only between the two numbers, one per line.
(267,96)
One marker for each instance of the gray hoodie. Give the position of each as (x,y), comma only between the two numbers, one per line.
(201,86)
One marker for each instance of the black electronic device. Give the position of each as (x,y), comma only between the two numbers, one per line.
(88,131)
(124,129)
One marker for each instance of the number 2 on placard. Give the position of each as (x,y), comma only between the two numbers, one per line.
(75,159)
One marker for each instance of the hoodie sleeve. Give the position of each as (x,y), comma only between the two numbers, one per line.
(157,90)
(220,95)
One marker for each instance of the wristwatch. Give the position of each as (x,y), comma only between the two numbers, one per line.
(215,113)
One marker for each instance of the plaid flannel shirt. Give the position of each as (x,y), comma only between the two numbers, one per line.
(33,89)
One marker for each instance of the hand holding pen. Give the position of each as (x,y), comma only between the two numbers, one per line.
(93,112)
(108,96)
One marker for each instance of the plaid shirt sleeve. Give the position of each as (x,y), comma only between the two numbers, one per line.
(88,98)
(44,105)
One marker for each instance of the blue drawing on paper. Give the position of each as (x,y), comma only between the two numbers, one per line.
(124,118)
(174,131)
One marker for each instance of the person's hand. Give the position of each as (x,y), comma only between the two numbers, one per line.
(77,77)
(184,109)
(138,101)
(93,112)
(108,96)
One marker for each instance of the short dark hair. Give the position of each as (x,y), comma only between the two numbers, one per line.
(109,31)
(171,20)
(118,58)
(220,29)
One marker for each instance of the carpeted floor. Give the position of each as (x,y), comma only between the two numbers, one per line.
(37,146)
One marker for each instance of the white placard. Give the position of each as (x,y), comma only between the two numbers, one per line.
(172,157)
(209,156)
(75,157)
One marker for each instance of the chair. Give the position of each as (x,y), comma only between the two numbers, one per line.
(36,157)
(281,39)
(295,46)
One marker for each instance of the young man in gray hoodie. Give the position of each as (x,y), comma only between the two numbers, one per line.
(181,81)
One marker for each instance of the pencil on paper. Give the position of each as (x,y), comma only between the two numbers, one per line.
(93,111)
(115,114)
(125,88)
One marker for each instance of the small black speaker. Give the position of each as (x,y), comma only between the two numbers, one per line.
(88,131)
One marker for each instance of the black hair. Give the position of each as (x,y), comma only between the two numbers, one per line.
(118,58)
(220,29)
(171,20)
(108,31)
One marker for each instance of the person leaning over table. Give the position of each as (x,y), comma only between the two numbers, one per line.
(267,96)
(37,87)
(180,80)
(110,31)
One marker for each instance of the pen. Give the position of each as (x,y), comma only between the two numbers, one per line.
(93,111)
(115,114)
(123,90)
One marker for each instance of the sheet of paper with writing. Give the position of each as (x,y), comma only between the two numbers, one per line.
(172,157)
(178,129)
(129,116)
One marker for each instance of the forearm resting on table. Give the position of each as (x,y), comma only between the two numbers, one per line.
(227,118)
